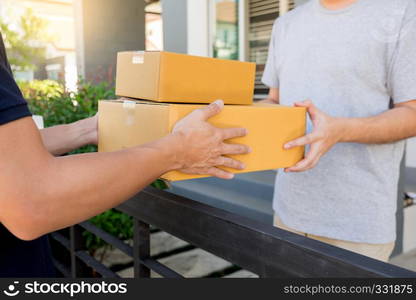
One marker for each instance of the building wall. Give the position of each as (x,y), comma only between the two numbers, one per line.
(60,27)
(411,153)
(175,37)
(105,27)
(198,33)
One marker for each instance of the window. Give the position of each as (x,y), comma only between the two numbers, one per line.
(262,14)
(226,29)
(154,25)
(241,29)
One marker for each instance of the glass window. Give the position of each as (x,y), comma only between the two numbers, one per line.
(154,26)
(226,32)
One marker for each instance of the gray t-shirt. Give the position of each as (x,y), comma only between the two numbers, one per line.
(351,63)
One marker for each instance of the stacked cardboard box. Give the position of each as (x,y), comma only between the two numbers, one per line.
(164,87)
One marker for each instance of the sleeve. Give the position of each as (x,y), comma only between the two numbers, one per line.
(270,76)
(402,77)
(12,104)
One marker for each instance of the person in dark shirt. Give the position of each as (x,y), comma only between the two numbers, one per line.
(41,192)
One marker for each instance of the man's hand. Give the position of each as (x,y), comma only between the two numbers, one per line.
(203,146)
(327,131)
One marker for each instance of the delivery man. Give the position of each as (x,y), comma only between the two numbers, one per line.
(356,62)
(41,193)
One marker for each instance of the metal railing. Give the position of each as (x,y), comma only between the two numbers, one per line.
(260,248)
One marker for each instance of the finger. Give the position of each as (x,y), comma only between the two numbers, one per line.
(211,110)
(230,163)
(220,173)
(229,133)
(312,109)
(302,166)
(309,166)
(232,149)
(307,163)
(302,141)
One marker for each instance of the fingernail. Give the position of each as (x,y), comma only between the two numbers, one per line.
(249,150)
(220,103)
(231,176)
(242,167)
(287,146)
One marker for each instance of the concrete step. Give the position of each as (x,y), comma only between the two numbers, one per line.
(195,263)
(242,274)
(160,243)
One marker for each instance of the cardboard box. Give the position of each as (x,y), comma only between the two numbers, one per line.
(124,124)
(172,77)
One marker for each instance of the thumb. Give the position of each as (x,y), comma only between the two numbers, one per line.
(212,109)
(312,109)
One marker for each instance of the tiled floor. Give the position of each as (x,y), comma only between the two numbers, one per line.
(407,260)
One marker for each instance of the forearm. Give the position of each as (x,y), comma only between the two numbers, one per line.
(63,191)
(41,193)
(90,184)
(62,139)
(269,101)
(394,125)
(273,97)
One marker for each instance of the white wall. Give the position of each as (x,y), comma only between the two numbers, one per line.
(409,236)
(198,27)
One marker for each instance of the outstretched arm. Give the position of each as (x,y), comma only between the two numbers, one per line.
(41,193)
(393,125)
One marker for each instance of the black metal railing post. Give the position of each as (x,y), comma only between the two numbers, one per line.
(77,243)
(141,248)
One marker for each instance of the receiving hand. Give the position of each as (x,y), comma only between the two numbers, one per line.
(326,133)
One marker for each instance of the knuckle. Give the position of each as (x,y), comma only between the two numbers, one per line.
(198,112)
(242,149)
(239,165)
(234,164)
(218,135)
(307,140)
(222,161)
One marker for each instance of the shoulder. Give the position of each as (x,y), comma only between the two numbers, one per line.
(392,8)
(410,8)
(294,16)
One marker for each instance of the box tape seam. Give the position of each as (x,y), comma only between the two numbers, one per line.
(129,107)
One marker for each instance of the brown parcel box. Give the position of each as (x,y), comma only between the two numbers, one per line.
(172,77)
(124,124)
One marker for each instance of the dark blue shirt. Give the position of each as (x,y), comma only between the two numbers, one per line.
(18,258)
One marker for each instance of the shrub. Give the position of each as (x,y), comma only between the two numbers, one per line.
(38,90)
